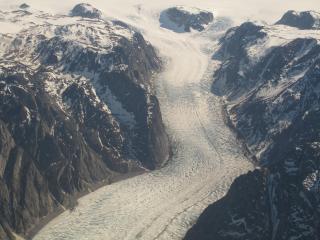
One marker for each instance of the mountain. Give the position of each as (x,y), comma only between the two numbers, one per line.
(269,76)
(182,19)
(24,6)
(86,10)
(78,109)
(301,20)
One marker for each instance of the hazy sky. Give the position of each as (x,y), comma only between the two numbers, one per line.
(240,10)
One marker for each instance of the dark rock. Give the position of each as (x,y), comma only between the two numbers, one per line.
(241,214)
(229,81)
(24,6)
(86,10)
(182,19)
(260,206)
(302,20)
(86,114)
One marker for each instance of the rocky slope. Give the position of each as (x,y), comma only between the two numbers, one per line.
(184,19)
(77,108)
(271,85)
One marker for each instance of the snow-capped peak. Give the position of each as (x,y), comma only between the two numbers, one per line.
(302,20)
(86,10)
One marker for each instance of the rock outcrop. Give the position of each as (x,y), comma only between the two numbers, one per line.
(183,19)
(241,214)
(86,10)
(24,6)
(301,20)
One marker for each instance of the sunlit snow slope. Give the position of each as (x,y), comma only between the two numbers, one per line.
(207,158)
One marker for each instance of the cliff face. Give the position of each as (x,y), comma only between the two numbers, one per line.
(77,108)
(271,83)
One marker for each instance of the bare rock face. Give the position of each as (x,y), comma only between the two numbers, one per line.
(183,19)
(73,114)
(86,10)
(301,20)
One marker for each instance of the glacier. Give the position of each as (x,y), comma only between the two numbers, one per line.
(207,157)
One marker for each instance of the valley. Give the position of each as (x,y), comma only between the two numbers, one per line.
(206,157)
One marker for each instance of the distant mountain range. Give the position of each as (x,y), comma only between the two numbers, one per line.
(184,19)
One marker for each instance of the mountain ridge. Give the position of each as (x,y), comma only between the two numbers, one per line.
(80,109)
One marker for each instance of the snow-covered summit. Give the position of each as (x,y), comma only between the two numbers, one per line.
(302,20)
(86,10)
(183,19)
